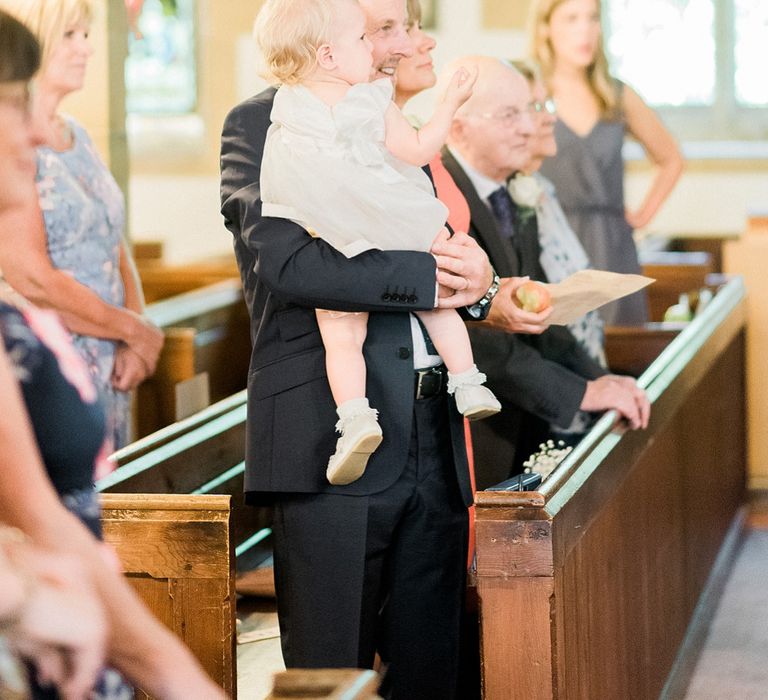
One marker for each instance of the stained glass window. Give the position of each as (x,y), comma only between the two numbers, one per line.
(160,71)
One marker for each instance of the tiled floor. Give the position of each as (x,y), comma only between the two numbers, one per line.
(260,657)
(733,664)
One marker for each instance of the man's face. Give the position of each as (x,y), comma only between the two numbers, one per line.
(497,126)
(386,28)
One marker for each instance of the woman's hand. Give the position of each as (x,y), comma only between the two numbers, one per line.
(636,219)
(146,340)
(62,628)
(129,369)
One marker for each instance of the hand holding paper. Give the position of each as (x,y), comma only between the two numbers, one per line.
(586,290)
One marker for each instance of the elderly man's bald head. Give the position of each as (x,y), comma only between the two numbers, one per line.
(491,131)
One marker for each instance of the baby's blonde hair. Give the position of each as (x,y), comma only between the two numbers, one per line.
(289,32)
(49,19)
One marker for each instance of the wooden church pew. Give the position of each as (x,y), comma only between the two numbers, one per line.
(176,552)
(203,455)
(587,587)
(161,281)
(206,354)
(675,273)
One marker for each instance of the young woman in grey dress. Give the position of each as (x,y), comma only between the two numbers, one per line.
(73,258)
(595,112)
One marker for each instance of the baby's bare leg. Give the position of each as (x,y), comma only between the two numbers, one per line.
(450,338)
(449,335)
(343,338)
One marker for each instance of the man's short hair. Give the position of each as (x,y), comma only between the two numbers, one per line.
(19,51)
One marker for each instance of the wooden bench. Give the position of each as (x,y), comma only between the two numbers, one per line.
(161,281)
(631,349)
(206,355)
(201,455)
(587,587)
(330,684)
(176,552)
(675,273)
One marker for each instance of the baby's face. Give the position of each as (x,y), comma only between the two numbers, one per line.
(351,48)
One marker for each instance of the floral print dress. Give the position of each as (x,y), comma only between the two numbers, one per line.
(69,425)
(84,213)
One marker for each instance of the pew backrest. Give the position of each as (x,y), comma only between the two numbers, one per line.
(675,274)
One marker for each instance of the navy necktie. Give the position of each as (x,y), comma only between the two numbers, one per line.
(503,209)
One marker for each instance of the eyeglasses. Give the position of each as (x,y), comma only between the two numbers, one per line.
(547,106)
(18,99)
(509,116)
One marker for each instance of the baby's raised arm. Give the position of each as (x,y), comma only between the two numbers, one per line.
(419,146)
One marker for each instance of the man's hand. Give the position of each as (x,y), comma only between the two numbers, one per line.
(619,393)
(507,316)
(463,269)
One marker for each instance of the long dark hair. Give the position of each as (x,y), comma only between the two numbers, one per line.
(19,51)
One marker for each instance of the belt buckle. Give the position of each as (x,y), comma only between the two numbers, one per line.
(428,382)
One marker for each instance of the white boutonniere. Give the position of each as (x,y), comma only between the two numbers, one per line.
(526,193)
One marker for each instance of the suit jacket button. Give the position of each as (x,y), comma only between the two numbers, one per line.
(413,298)
(403,353)
(396,297)
(386,296)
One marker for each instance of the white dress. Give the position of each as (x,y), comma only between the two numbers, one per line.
(327,169)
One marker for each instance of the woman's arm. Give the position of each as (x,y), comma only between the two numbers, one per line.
(27,267)
(662,149)
(134,295)
(419,146)
(139,646)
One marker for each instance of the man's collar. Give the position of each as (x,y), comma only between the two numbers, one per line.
(483,184)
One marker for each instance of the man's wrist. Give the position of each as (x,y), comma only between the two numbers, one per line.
(479,310)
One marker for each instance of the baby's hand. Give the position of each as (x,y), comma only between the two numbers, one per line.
(460,88)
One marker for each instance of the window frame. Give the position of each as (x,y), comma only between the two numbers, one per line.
(725,119)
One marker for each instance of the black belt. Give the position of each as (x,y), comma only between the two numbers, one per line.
(430,382)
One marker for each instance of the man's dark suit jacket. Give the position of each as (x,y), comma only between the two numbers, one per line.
(286,275)
(539,379)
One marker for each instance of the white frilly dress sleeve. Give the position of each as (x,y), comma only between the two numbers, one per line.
(328,170)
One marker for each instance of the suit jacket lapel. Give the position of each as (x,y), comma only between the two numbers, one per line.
(483,225)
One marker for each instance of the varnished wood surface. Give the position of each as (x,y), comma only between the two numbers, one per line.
(207,331)
(177,554)
(334,684)
(675,273)
(610,568)
(161,281)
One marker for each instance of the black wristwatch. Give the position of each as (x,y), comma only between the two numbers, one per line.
(480,308)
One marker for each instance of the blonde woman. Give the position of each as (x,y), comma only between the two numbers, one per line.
(595,112)
(52,431)
(72,257)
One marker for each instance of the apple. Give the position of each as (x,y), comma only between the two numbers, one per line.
(533,296)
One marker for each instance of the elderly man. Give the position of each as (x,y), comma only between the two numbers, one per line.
(379,564)
(542,379)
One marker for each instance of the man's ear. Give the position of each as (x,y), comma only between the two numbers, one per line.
(325,58)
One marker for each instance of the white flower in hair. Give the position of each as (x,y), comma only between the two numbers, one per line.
(525,190)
